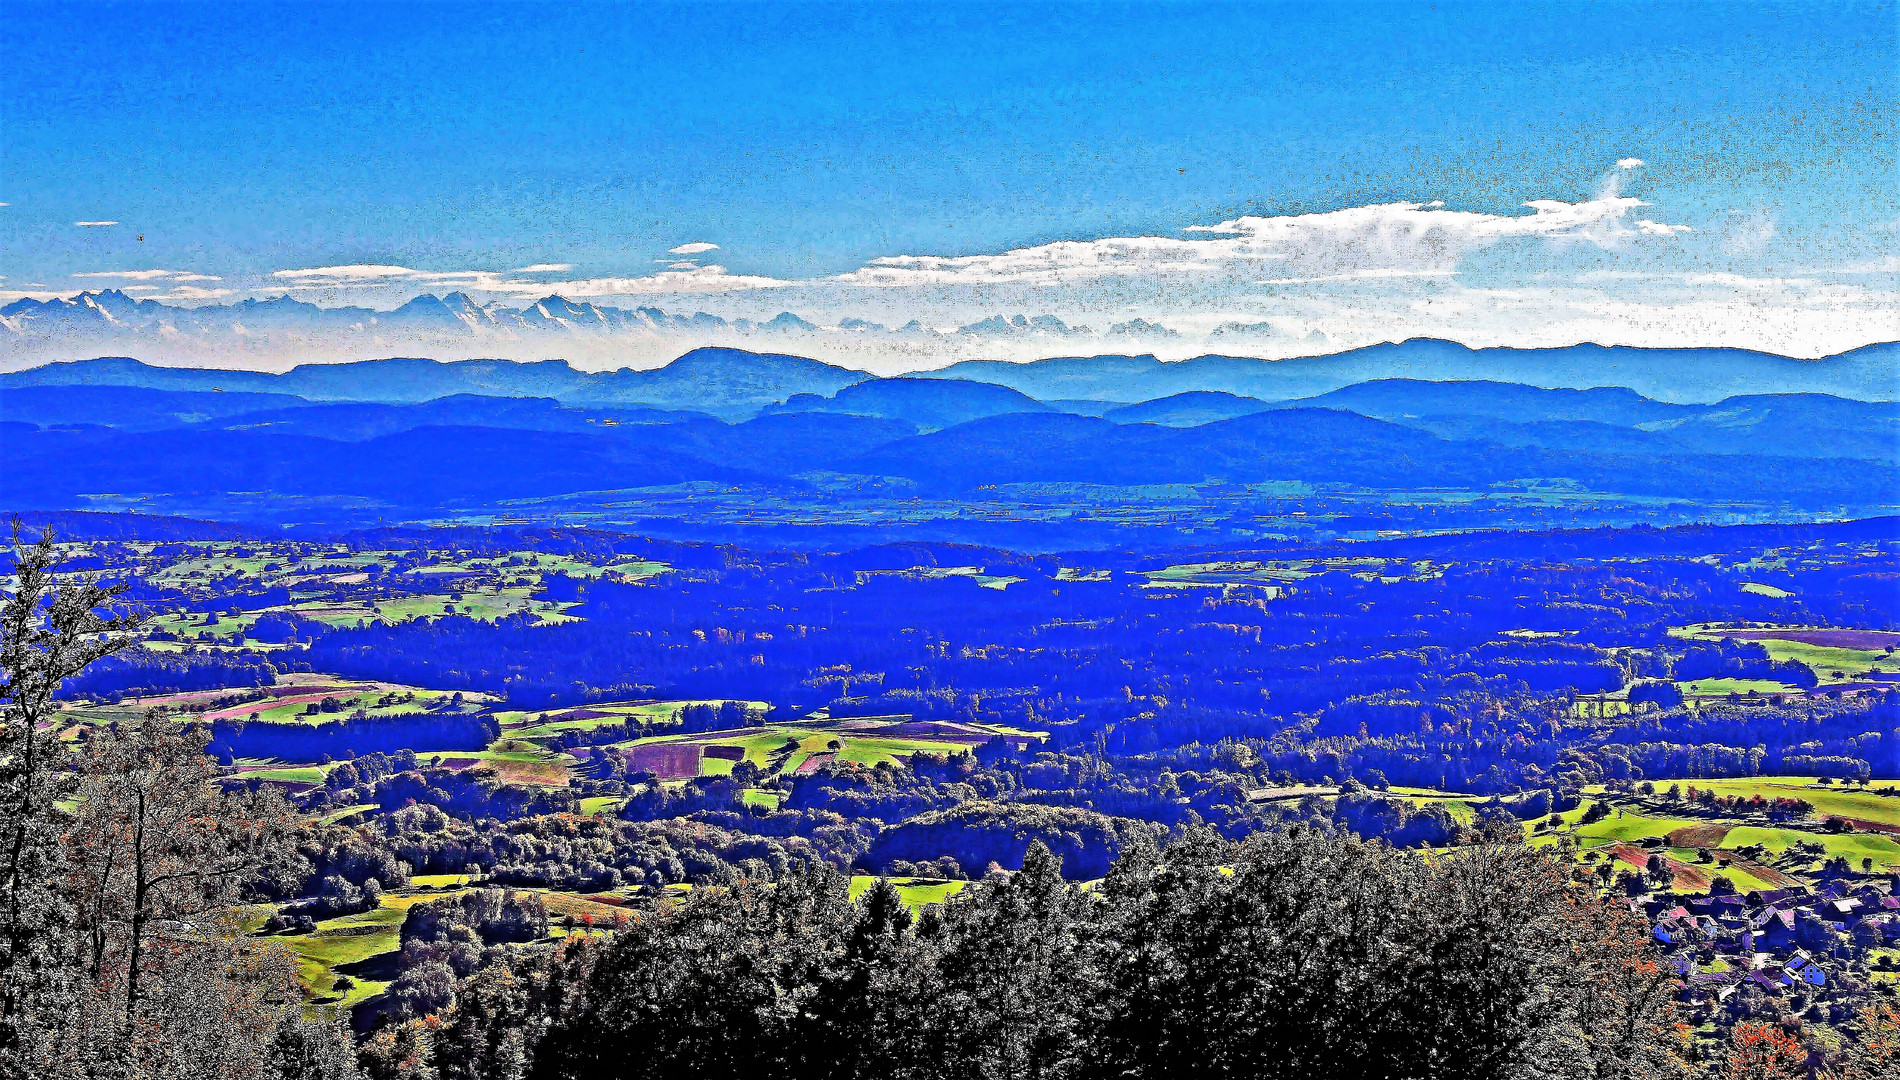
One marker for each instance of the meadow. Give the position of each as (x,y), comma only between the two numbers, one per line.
(1641,825)
(361,948)
(1837,656)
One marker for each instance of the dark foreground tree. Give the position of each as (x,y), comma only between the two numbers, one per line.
(119,955)
(1295,954)
(51,627)
(159,854)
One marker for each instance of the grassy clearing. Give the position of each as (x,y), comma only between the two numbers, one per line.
(786,747)
(287,774)
(352,939)
(1833,663)
(346,811)
(917,893)
(551,722)
(1721,688)
(1462,807)
(515,762)
(870,751)
(1833,799)
(1622,827)
(1883,850)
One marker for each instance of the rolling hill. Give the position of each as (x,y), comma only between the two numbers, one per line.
(1188,409)
(725,381)
(1671,375)
(930,404)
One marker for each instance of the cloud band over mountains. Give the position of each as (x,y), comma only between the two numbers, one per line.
(1599,269)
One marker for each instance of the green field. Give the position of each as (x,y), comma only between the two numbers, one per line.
(785,747)
(517,762)
(351,939)
(918,893)
(301,699)
(1865,804)
(1854,846)
(344,588)
(1724,835)
(1621,827)
(287,774)
(542,725)
(1833,664)
(1721,688)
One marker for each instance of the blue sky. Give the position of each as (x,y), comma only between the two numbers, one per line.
(245,144)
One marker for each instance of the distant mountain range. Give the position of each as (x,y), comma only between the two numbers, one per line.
(720,381)
(111,310)
(1679,375)
(734,382)
(270,332)
(134,446)
(929,404)
(266,333)
(405,436)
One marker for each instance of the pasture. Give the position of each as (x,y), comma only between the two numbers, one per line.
(1722,688)
(514,761)
(342,587)
(305,698)
(1837,656)
(1699,842)
(363,946)
(552,722)
(806,745)
(918,893)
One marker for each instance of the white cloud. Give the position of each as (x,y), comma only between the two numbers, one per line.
(94,224)
(1629,162)
(149,275)
(354,272)
(698,279)
(1359,275)
(178,294)
(681,278)
(1553,272)
(1397,239)
(1888,265)
(1749,233)
(1723,279)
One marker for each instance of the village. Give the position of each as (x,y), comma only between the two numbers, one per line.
(1812,952)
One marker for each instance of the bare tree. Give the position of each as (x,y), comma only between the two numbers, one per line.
(164,851)
(51,627)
